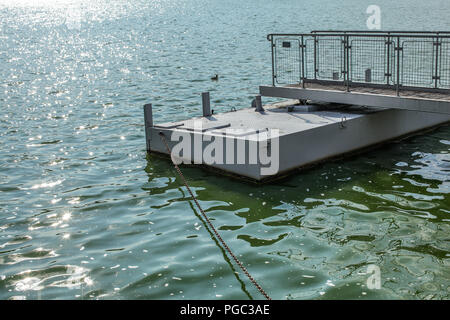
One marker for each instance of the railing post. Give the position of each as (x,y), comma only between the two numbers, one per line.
(398,49)
(206,104)
(303,63)
(347,62)
(436,77)
(148,123)
(273,61)
(315,57)
(388,62)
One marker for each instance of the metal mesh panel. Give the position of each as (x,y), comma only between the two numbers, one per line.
(419,60)
(393,63)
(368,60)
(309,58)
(330,59)
(288,61)
(444,64)
(417,63)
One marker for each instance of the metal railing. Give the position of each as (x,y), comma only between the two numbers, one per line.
(400,60)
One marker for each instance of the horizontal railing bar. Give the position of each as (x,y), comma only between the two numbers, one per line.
(381,31)
(375,35)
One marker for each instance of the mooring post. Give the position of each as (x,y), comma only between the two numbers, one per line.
(258,103)
(206,104)
(368,75)
(148,122)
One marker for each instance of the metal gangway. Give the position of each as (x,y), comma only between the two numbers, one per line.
(388,69)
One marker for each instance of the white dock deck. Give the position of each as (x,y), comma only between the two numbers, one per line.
(306,135)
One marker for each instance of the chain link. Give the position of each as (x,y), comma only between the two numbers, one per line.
(239,263)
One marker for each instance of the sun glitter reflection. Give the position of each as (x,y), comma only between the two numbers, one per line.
(38,3)
(70,276)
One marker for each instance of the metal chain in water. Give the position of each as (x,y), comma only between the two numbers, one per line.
(239,263)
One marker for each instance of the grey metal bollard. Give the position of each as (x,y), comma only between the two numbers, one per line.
(206,104)
(368,75)
(258,103)
(148,123)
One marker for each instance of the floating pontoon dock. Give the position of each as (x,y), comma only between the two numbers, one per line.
(351,89)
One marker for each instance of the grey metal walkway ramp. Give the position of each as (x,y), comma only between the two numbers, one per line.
(370,97)
(401,70)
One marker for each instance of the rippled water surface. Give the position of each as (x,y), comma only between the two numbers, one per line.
(86,214)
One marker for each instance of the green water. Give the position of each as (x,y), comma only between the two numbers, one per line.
(86,214)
